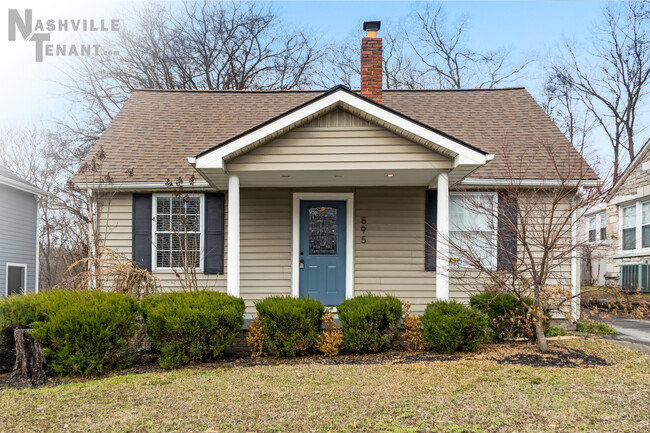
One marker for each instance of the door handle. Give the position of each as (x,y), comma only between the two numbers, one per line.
(302,264)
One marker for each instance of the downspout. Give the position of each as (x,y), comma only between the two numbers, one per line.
(91,239)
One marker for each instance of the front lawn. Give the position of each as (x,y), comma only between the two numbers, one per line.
(602,387)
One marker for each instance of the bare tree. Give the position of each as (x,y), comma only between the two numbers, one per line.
(539,223)
(182,241)
(39,155)
(448,59)
(613,76)
(400,68)
(562,103)
(195,45)
(88,272)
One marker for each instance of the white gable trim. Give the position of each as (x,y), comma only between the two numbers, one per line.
(462,154)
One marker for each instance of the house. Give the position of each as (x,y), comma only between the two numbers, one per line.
(18,234)
(628,224)
(595,244)
(326,194)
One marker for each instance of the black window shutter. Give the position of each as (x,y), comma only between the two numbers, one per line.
(507,231)
(430,229)
(141,231)
(214,233)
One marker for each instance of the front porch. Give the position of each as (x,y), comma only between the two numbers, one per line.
(365,166)
(384,243)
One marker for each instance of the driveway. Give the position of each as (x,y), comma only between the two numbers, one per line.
(629,330)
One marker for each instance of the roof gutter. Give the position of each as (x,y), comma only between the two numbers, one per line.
(138,185)
(24,187)
(530,182)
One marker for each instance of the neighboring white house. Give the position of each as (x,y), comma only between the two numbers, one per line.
(326,194)
(18,234)
(595,245)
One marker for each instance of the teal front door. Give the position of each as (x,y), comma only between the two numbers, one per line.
(322,250)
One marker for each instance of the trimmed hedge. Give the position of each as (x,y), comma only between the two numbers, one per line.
(291,326)
(451,326)
(369,322)
(83,332)
(508,317)
(191,326)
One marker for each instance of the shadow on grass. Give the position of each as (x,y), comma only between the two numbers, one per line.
(503,354)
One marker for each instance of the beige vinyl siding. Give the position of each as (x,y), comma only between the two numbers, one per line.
(391,261)
(116,227)
(265,244)
(330,143)
(337,119)
(537,207)
(115,224)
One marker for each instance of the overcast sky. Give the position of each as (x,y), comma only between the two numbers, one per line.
(31,93)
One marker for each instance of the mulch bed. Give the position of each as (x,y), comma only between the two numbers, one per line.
(565,358)
(524,354)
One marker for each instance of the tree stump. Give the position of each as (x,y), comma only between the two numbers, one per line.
(30,360)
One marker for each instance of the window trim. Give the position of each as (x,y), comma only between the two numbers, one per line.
(154,231)
(15,265)
(495,202)
(638,228)
(598,216)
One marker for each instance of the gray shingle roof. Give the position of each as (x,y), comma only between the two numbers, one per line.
(157,130)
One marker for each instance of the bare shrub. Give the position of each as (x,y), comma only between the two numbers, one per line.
(330,340)
(412,330)
(127,277)
(255,337)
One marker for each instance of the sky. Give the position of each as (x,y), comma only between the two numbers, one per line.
(32,93)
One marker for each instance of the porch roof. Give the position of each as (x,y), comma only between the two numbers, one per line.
(463,158)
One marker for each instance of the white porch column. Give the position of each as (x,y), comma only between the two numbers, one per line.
(575,269)
(232,271)
(442,238)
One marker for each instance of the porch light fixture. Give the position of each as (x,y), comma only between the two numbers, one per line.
(390,175)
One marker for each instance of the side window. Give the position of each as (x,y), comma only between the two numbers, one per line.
(603,226)
(629,227)
(645,225)
(16,274)
(592,229)
(178,232)
(471,227)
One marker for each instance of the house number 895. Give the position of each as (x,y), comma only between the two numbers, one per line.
(363,229)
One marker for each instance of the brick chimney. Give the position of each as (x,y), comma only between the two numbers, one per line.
(371,60)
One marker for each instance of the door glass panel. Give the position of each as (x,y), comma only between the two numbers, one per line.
(322,230)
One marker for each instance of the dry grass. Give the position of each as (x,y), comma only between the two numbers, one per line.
(613,294)
(472,394)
